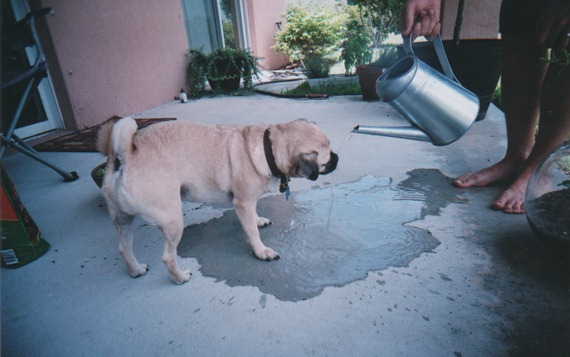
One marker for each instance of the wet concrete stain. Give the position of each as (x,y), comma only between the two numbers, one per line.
(329,236)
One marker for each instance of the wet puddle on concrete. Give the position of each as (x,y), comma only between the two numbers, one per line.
(322,242)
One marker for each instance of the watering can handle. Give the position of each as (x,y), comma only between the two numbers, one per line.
(439,50)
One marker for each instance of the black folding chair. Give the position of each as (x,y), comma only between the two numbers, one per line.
(17,37)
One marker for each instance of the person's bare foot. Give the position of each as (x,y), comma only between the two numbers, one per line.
(504,170)
(512,199)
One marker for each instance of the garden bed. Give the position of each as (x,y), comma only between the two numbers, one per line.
(301,88)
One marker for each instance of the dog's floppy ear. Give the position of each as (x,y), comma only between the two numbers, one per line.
(307,166)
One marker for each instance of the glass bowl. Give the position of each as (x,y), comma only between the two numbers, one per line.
(547,201)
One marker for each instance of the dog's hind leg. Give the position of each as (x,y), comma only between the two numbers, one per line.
(172,231)
(124,225)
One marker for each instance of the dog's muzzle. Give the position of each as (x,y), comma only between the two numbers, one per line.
(331,165)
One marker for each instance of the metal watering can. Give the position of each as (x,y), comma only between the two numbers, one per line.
(439,109)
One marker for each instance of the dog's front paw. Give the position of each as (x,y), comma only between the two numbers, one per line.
(267,254)
(140,270)
(263,222)
(181,277)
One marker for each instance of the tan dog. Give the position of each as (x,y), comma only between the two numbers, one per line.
(150,172)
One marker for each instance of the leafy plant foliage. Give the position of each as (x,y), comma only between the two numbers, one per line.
(312,34)
(369,24)
(218,66)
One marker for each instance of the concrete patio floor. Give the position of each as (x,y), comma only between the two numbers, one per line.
(487,289)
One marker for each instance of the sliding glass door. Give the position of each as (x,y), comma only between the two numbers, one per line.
(213,24)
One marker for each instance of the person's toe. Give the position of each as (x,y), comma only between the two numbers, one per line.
(463,181)
(516,207)
(498,205)
(510,202)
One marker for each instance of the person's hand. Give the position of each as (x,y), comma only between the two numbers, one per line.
(421,18)
(553,29)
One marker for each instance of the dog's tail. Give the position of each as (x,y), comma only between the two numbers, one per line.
(115,140)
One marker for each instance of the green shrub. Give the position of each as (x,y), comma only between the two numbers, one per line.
(306,88)
(386,55)
(560,59)
(357,47)
(379,17)
(312,33)
(318,67)
(496,97)
(369,24)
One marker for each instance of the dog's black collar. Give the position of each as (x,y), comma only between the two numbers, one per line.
(284,186)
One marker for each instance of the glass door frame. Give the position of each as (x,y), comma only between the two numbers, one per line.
(45,89)
(215,33)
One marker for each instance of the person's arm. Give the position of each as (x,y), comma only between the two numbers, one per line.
(421,18)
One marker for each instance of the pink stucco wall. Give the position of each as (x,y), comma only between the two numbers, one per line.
(115,57)
(121,57)
(480,19)
(262,16)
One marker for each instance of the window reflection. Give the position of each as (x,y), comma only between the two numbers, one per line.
(228,28)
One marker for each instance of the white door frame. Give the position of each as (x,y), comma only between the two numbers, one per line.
(242,24)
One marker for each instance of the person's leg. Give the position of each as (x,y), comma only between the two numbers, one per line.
(554,128)
(521,79)
(528,90)
(520,106)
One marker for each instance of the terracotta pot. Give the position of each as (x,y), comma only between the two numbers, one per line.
(367,76)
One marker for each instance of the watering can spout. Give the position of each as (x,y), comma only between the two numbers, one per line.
(402,132)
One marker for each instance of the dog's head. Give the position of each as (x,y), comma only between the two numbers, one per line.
(301,149)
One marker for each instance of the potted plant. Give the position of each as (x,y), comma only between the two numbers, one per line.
(369,24)
(224,69)
(311,35)
(368,73)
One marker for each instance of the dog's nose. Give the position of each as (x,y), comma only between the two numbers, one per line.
(331,165)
